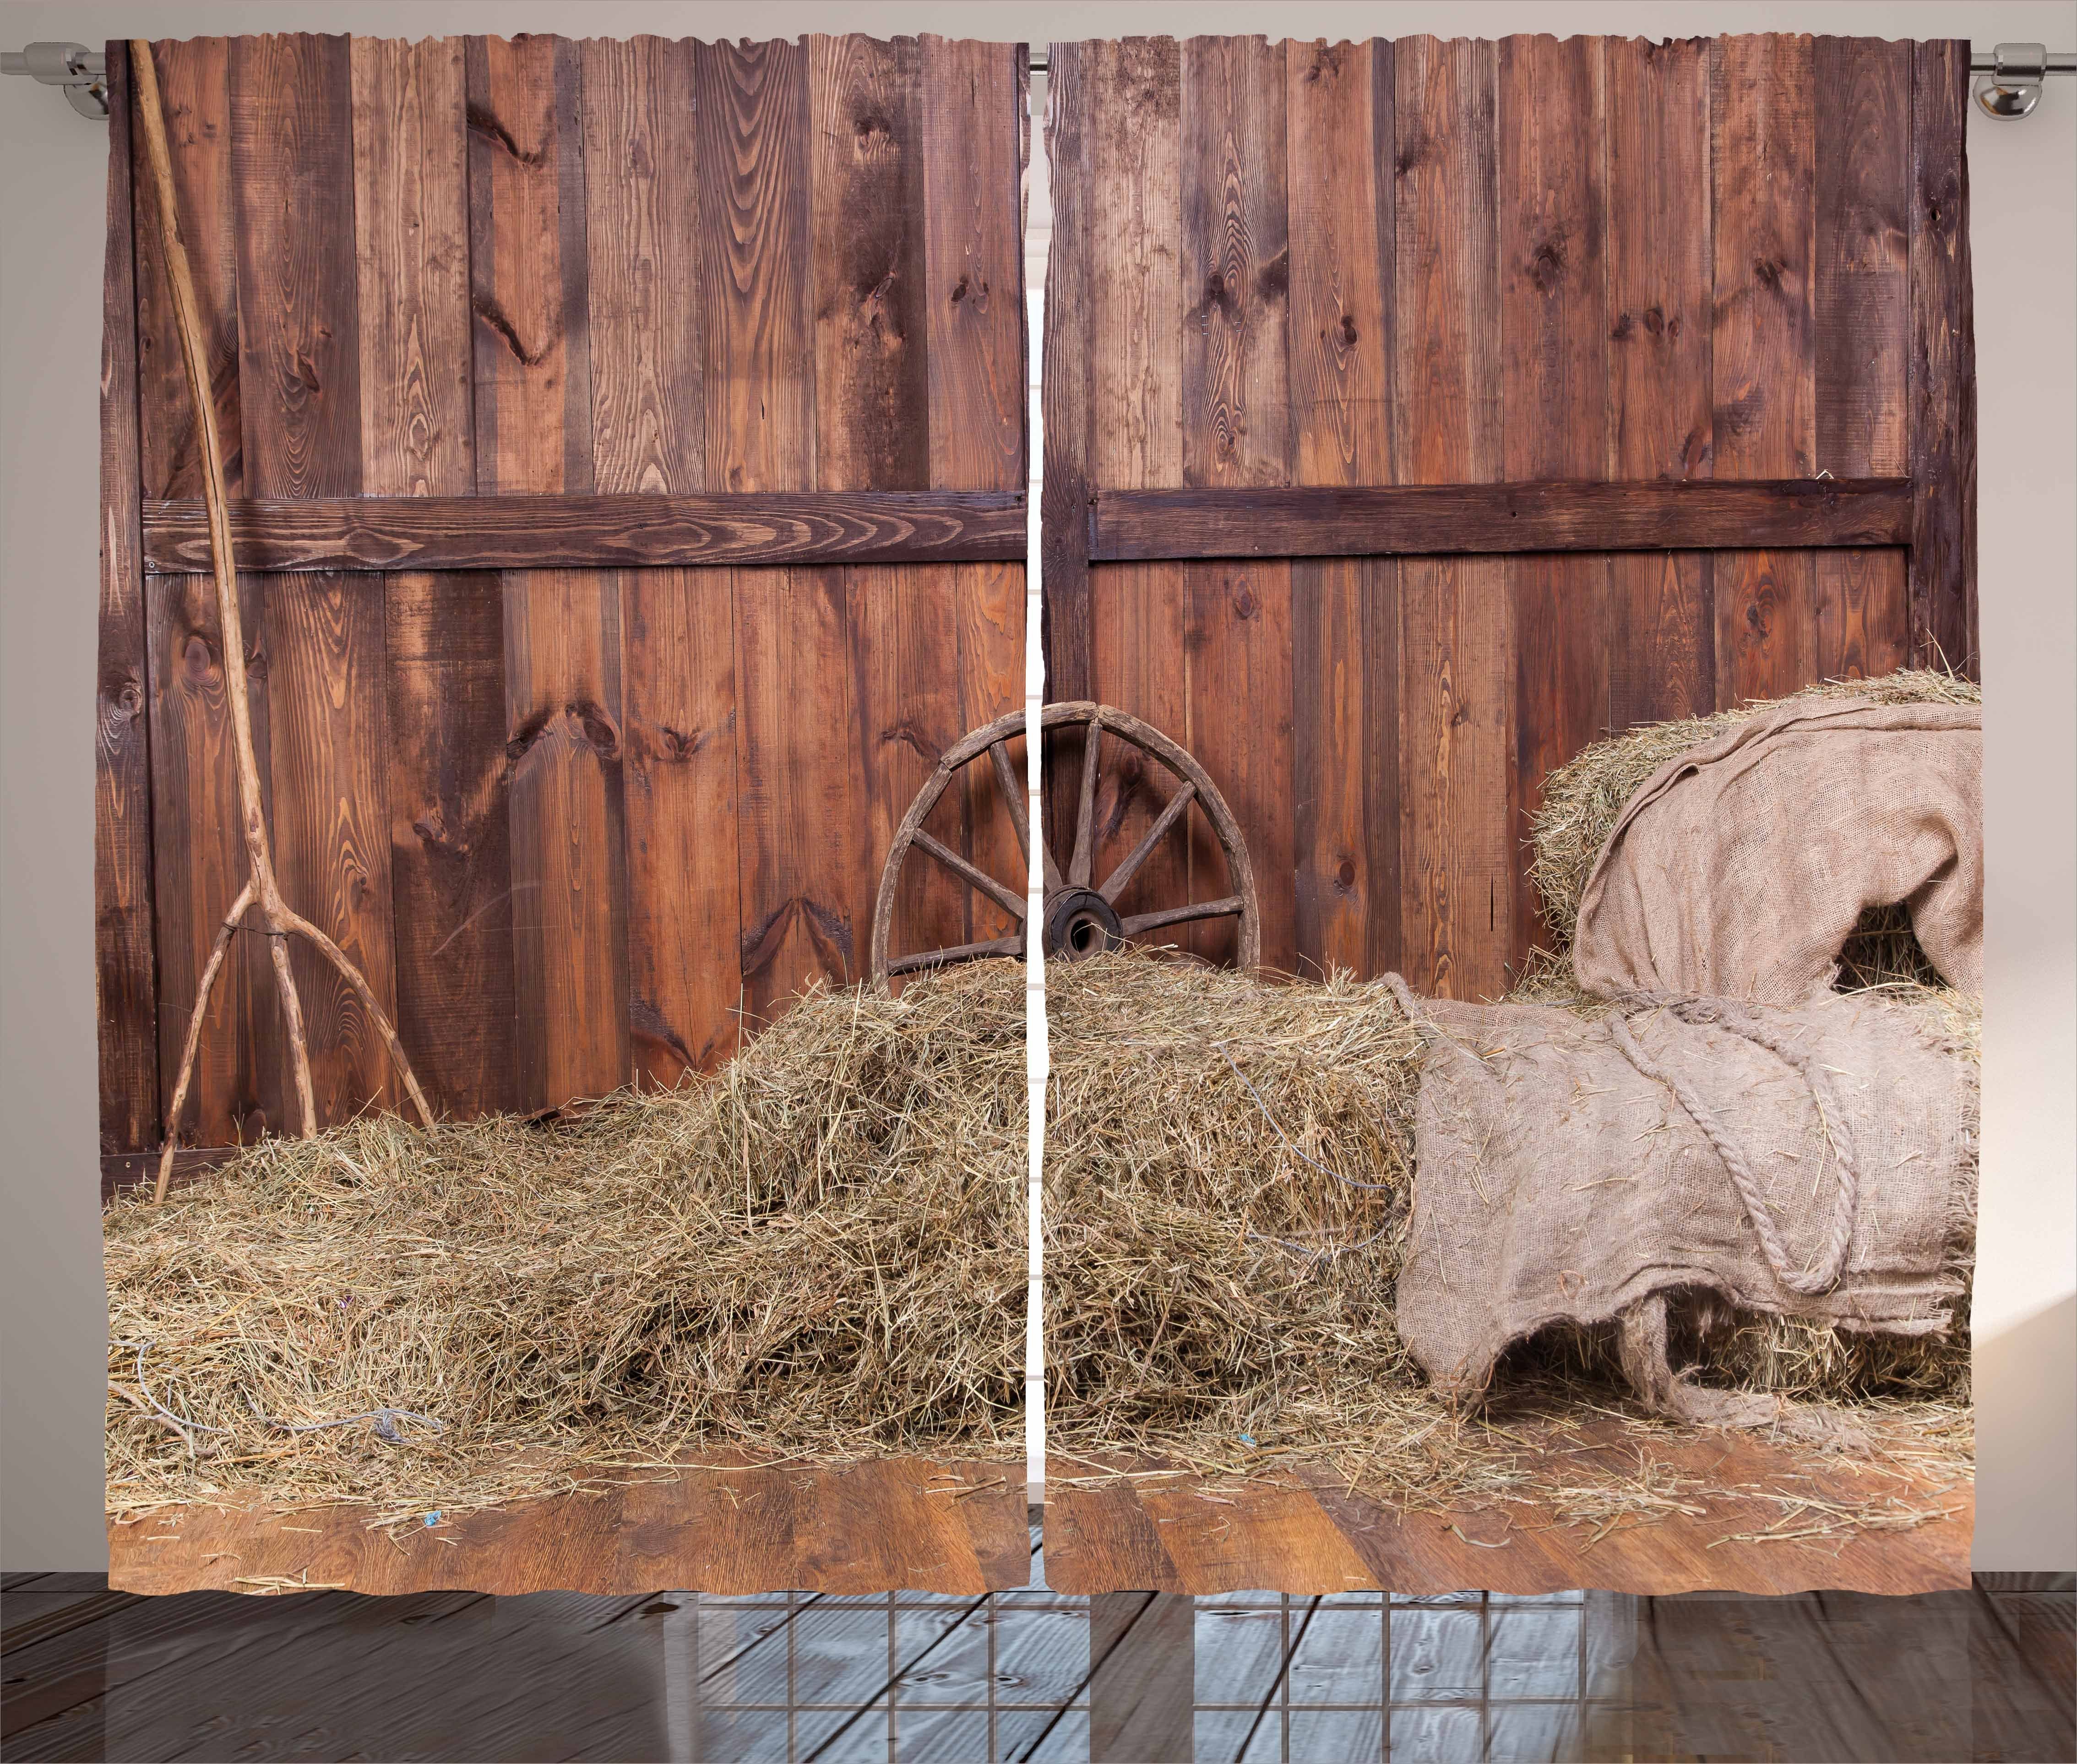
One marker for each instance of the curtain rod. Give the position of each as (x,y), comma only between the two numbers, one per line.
(2008,86)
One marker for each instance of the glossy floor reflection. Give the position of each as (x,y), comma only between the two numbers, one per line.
(917,1679)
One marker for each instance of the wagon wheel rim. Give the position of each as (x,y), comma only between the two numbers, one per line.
(1078,916)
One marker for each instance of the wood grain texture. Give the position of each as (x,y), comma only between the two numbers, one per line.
(194,88)
(292,172)
(973,151)
(644,231)
(1343,242)
(535,423)
(798,838)
(871,358)
(1497,520)
(410,196)
(1860,294)
(1662,632)
(1134,342)
(973,265)
(1763,151)
(757,327)
(720,1528)
(685,985)
(1068,383)
(1942,368)
(1237,426)
(643,223)
(450,838)
(1551,113)
(125,967)
(1312,1537)
(563,704)
(492,532)
(1457,646)
(449,835)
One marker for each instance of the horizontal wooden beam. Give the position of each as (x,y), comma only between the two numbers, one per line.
(129,1169)
(1413,520)
(595,532)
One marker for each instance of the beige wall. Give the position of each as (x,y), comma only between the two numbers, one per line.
(51,164)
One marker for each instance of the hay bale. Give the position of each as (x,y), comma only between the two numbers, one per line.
(1583,798)
(820,1252)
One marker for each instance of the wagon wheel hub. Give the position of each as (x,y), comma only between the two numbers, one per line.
(1079,923)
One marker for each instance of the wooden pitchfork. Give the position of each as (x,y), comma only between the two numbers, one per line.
(278,919)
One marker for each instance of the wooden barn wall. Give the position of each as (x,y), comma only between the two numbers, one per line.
(578,826)
(1449,263)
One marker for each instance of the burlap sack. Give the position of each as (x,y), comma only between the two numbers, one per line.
(1558,1183)
(1739,869)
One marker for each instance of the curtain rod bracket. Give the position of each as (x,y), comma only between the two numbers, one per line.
(2011,76)
(80,73)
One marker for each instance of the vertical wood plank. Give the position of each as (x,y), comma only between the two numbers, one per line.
(871,362)
(1862,298)
(974,248)
(642,233)
(450,838)
(293,172)
(973,168)
(797,858)
(1661,660)
(1342,244)
(872,402)
(643,236)
(1068,387)
(1942,366)
(534,430)
(685,983)
(1457,651)
(1135,344)
(195,91)
(1236,430)
(1764,333)
(1552,118)
(126,977)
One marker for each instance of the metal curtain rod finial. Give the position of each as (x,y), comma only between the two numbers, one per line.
(82,73)
(2011,76)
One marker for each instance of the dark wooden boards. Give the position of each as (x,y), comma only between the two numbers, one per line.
(1307,1534)
(1605,375)
(1482,519)
(718,1525)
(1942,363)
(636,437)
(125,974)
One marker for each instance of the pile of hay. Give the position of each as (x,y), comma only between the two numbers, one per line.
(1216,1290)
(820,1252)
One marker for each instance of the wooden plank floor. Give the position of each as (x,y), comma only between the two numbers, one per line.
(865,1527)
(1168,1534)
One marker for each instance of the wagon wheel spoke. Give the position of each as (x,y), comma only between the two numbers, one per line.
(1113,885)
(1228,907)
(1008,899)
(962,952)
(1084,855)
(1006,778)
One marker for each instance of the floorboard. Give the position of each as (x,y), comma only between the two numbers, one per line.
(865,1527)
(1304,1533)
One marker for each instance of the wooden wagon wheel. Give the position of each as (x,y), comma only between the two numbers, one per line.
(1079,916)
